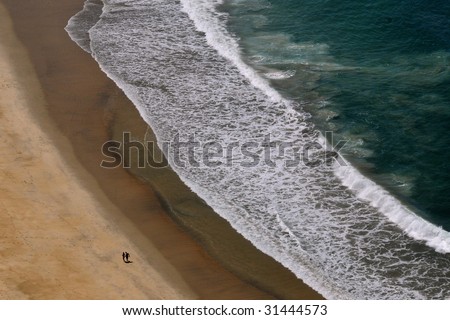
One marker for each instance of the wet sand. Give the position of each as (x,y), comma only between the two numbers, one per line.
(85,109)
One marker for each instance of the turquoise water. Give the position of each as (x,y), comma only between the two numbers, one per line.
(375,73)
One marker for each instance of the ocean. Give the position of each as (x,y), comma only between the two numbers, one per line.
(317,129)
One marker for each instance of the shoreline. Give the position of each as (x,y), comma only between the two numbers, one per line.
(101,113)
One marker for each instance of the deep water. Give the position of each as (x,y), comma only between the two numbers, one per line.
(376,73)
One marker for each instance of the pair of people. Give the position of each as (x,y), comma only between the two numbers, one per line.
(126,257)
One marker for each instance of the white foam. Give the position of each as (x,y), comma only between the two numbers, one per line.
(208,20)
(279,75)
(412,224)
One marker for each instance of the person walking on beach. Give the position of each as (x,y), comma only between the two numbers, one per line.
(126,257)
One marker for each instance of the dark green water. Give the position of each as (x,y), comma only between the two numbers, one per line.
(375,73)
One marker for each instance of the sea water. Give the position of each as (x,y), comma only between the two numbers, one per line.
(376,73)
(271,73)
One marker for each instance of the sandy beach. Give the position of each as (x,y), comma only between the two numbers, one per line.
(56,240)
(65,221)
